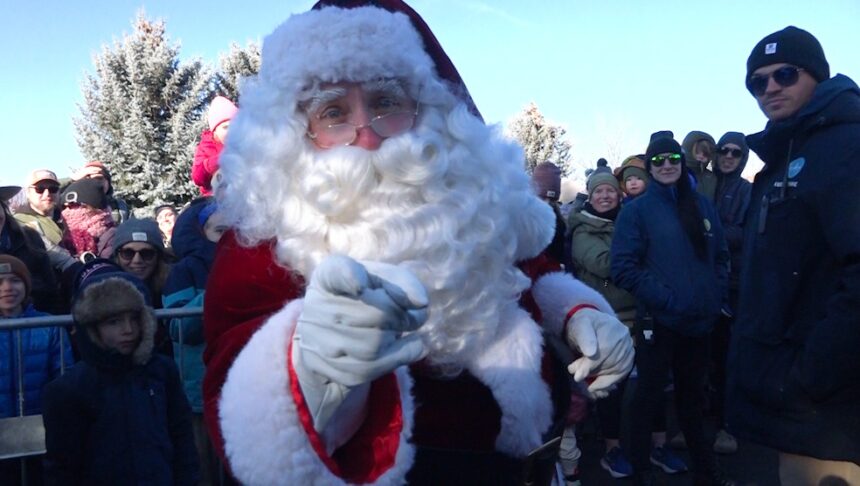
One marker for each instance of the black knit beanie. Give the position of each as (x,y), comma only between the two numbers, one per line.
(662,143)
(85,191)
(792,46)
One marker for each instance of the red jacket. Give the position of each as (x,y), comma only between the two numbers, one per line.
(247,289)
(206,162)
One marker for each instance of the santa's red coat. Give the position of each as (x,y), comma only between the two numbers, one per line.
(248,289)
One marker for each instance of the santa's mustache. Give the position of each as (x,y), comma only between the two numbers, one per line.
(337,181)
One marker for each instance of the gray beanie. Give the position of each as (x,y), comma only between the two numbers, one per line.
(142,230)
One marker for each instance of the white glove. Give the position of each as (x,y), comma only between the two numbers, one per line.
(606,347)
(350,331)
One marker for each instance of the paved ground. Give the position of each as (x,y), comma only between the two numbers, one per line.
(752,465)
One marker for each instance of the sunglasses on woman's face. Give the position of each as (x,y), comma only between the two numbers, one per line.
(127,254)
(785,76)
(659,160)
(736,153)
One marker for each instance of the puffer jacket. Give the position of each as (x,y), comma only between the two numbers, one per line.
(206,162)
(794,375)
(113,419)
(185,287)
(591,240)
(653,259)
(43,357)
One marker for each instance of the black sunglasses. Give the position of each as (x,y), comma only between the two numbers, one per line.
(785,76)
(127,254)
(659,160)
(736,153)
(51,188)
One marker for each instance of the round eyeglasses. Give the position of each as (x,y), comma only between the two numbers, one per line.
(387,125)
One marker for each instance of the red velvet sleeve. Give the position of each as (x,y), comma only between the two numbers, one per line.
(245,287)
(534,268)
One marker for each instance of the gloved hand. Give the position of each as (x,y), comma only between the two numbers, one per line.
(350,331)
(606,347)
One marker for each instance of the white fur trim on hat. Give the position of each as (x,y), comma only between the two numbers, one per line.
(263,437)
(334,44)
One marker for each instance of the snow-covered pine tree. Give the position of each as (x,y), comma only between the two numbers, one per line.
(541,140)
(142,114)
(236,64)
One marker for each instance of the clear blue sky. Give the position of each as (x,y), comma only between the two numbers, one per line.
(610,71)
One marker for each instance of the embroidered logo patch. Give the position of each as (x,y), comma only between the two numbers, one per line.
(795,166)
(770,48)
(138,236)
(5,268)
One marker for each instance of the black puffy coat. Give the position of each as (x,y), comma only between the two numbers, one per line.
(794,380)
(110,421)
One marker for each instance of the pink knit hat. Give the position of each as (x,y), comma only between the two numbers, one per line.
(220,110)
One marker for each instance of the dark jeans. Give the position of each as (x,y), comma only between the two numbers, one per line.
(611,413)
(688,359)
(720,338)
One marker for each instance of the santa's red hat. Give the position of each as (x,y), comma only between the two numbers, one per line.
(444,67)
(356,40)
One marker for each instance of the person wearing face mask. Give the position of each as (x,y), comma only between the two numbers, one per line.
(670,253)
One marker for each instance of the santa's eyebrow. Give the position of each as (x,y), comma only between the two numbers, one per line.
(385,85)
(323,96)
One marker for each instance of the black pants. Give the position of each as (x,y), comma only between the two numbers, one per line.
(611,413)
(688,359)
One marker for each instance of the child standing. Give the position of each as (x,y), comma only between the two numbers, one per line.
(43,353)
(205,166)
(119,416)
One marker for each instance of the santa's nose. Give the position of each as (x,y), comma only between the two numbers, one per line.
(367,139)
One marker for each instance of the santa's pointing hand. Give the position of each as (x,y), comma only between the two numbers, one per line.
(606,347)
(351,330)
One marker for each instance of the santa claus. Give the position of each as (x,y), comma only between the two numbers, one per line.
(379,312)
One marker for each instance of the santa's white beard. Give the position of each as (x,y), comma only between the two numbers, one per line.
(426,202)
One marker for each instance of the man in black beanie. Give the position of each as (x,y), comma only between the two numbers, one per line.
(794,379)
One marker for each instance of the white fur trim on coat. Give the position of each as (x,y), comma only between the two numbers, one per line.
(558,292)
(334,44)
(263,437)
(511,368)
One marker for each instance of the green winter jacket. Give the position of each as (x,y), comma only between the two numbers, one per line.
(706,181)
(591,238)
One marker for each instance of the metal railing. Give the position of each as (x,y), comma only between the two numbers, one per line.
(24,436)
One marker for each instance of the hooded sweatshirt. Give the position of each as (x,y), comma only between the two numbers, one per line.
(706,181)
(732,200)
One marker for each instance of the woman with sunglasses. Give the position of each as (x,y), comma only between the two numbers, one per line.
(732,200)
(669,252)
(139,250)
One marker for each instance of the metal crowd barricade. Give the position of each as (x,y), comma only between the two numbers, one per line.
(23,436)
